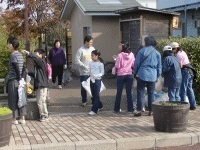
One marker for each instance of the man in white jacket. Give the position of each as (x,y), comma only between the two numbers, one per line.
(82,59)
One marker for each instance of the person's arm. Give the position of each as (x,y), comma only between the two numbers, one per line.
(159,65)
(166,66)
(13,61)
(118,61)
(137,62)
(17,70)
(64,57)
(133,61)
(78,59)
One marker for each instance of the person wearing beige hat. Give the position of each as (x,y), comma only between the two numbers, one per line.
(172,74)
(188,74)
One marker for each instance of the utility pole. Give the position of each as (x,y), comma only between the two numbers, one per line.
(185,19)
(26,25)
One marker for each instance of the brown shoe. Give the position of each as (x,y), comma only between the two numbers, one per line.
(138,114)
(150,113)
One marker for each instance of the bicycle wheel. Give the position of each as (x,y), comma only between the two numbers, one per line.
(108,70)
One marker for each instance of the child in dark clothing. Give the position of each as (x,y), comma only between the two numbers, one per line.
(41,81)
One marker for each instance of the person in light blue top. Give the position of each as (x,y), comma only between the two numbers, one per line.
(147,69)
(96,72)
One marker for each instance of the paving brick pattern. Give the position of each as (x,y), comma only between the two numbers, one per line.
(81,127)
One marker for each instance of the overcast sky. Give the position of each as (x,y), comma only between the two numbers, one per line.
(148,3)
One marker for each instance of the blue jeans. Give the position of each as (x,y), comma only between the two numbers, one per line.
(128,81)
(174,94)
(95,90)
(186,88)
(83,91)
(140,93)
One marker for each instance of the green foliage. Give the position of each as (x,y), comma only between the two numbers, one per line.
(4,111)
(192,47)
(4,53)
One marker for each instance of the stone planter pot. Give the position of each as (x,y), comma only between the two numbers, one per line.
(5,129)
(170,116)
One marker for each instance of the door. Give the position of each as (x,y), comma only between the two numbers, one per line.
(131,33)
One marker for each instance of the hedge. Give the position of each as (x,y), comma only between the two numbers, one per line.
(192,47)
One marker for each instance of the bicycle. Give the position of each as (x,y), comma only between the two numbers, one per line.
(108,70)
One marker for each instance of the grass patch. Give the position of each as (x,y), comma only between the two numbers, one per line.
(4,111)
(170,103)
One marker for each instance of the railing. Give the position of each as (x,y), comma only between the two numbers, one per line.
(4,87)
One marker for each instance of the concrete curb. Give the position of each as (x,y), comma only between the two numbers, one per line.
(174,139)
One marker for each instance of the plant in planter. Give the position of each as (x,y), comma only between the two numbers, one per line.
(170,116)
(5,125)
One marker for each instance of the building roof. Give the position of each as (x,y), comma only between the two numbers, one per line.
(183,7)
(139,8)
(94,8)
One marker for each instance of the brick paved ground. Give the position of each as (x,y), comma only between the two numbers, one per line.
(69,122)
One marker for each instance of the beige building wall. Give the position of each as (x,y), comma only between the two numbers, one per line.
(78,21)
(105,31)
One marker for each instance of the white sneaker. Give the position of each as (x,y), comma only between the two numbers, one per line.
(143,109)
(22,121)
(91,113)
(60,86)
(84,104)
(15,122)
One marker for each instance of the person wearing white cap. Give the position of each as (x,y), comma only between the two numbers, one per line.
(172,74)
(188,74)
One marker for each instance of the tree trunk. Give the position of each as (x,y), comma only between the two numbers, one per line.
(40,42)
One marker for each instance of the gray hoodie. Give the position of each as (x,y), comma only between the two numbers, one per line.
(83,58)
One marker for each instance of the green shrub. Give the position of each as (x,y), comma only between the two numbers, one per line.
(192,47)
(4,111)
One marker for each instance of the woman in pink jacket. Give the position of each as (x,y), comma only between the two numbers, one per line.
(124,66)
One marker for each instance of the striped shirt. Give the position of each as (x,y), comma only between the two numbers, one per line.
(15,57)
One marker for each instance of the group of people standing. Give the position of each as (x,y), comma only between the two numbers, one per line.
(147,67)
(17,72)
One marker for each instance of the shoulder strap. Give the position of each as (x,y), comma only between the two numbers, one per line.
(144,60)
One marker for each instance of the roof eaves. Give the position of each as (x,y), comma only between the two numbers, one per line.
(63,10)
(101,13)
(80,5)
(146,9)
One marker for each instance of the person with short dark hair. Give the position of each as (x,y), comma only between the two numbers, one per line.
(40,81)
(82,59)
(147,68)
(15,72)
(124,68)
(58,62)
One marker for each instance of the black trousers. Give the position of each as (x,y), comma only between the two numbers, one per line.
(57,71)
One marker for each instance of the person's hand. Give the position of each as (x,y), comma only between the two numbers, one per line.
(24,52)
(86,67)
(65,66)
(114,57)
